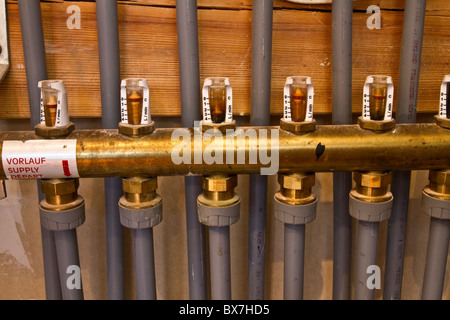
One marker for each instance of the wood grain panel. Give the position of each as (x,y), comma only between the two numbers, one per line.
(148,48)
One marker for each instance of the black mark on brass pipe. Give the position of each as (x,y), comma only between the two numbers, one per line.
(319,150)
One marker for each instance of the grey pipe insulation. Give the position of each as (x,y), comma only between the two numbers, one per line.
(109,67)
(262,18)
(36,70)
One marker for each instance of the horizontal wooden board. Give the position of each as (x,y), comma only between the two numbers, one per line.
(148,48)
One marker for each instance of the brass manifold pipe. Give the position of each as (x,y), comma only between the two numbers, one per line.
(106,153)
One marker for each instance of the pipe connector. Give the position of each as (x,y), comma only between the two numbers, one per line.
(218,205)
(140,206)
(136,130)
(442,122)
(217,128)
(436,196)
(371,199)
(295,203)
(62,208)
(376,125)
(298,127)
(54,132)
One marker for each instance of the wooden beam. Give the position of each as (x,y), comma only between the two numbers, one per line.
(148,48)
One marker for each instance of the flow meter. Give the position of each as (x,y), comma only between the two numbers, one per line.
(135,107)
(217,105)
(298,105)
(378,97)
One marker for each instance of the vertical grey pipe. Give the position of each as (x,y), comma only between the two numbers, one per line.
(294,252)
(36,70)
(219,256)
(366,255)
(67,252)
(342,11)
(187,32)
(262,18)
(410,57)
(436,263)
(144,264)
(109,62)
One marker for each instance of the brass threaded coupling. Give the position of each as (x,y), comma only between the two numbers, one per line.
(217,128)
(376,125)
(136,130)
(439,186)
(218,190)
(442,122)
(298,127)
(139,192)
(296,188)
(372,186)
(54,132)
(60,194)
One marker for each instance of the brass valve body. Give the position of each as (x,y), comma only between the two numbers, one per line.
(439,186)
(139,192)
(218,190)
(296,188)
(298,127)
(60,194)
(372,186)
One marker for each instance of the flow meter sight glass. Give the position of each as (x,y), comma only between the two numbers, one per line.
(443,117)
(54,113)
(217,104)
(377,103)
(298,105)
(135,107)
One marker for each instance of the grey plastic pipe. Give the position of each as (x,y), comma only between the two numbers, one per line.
(410,57)
(109,61)
(144,268)
(188,56)
(36,70)
(262,18)
(342,11)
(366,255)
(438,243)
(67,253)
(219,256)
(294,252)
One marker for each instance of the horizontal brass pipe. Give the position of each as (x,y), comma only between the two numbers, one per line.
(106,153)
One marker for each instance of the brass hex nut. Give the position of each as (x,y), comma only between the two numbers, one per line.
(54,132)
(136,130)
(297,181)
(441,177)
(298,127)
(139,184)
(442,122)
(373,179)
(219,183)
(59,187)
(376,125)
(218,127)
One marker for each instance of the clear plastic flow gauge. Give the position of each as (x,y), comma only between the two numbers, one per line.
(54,111)
(298,99)
(135,101)
(444,105)
(378,97)
(217,100)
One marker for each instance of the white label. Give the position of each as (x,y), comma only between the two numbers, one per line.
(36,159)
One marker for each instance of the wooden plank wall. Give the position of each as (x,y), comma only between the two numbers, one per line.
(148,48)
